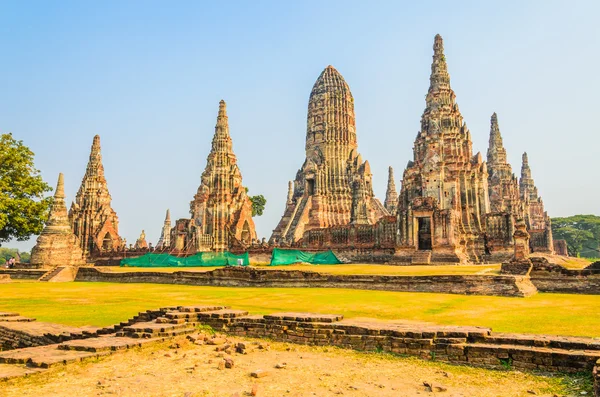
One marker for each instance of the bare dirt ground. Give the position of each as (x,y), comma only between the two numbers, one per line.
(183,369)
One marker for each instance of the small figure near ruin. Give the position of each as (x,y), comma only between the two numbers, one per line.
(141,242)
(57,245)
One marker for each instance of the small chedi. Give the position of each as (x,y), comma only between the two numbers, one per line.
(536,218)
(221,211)
(444,197)
(164,242)
(92,218)
(57,245)
(333,187)
(505,199)
(391,195)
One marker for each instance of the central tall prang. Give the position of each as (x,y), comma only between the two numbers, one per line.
(333,187)
(221,211)
(444,195)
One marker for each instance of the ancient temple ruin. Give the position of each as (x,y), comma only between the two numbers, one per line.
(164,242)
(57,245)
(333,187)
(92,218)
(505,200)
(444,197)
(538,222)
(221,211)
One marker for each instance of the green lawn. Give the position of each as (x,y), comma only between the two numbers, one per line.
(101,304)
(339,269)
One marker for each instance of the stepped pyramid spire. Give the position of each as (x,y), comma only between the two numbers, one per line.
(221,210)
(391,195)
(526,184)
(164,242)
(445,183)
(57,245)
(503,185)
(92,218)
(442,120)
(496,153)
(537,219)
(326,190)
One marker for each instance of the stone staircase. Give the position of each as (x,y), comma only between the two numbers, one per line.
(421,258)
(298,214)
(51,273)
(80,344)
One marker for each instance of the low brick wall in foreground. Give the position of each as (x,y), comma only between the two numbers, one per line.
(475,346)
(503,285)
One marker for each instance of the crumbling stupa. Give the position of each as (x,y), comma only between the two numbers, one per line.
(57,245)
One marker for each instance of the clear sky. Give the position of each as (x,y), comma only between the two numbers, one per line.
(148,75)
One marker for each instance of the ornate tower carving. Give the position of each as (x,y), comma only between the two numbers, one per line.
(503,185)
(505,200)
(164,242)
(444,195)
(537,219)
(391,195)
(92,218)
(221,210)
(57,245)
(333,187)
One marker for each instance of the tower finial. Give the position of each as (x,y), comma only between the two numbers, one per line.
(391,195)
(168,217)
(60,187)
(525,159)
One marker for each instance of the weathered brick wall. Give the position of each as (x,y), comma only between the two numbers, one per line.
(23,274)
(462,345)
(14,339)
(548,277)
(522,268)
(504,285)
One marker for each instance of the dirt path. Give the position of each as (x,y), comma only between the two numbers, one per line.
(191,370)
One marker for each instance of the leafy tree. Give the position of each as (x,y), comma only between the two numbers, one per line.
(23,208)
(258,204)
(7,253)
(582,233)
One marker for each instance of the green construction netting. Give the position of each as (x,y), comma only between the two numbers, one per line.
(198,260)
(289,257)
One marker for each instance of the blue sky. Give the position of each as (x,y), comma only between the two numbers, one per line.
(147,76)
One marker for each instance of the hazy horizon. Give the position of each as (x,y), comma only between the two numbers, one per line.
(148,77)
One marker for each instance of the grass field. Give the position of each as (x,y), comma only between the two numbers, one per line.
(102,304)
(340,269)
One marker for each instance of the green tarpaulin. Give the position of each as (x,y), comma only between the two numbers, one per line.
(200,259)
(289,257)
